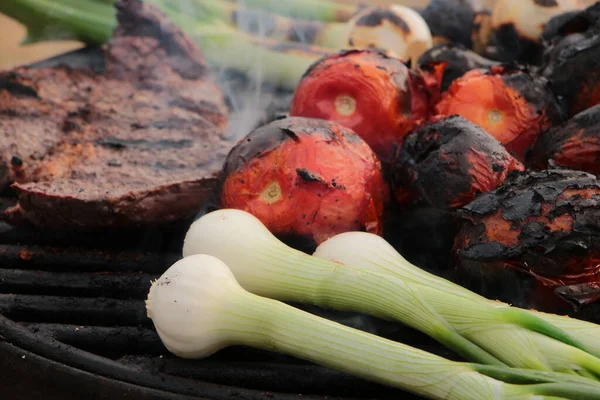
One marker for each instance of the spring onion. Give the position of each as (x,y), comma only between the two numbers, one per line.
(322,10)
(279,63)
(265,266)
(372,252)
(83,20)
(198,308)
(399,31)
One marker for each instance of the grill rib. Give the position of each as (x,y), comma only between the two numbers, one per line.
(98,284)
(83,260)
(103,340)
(74,310)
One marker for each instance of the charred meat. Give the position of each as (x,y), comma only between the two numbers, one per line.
(141,143)
(539,231)
(574,144)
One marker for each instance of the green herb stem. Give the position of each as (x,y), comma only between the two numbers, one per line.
(321,10)
(274,326)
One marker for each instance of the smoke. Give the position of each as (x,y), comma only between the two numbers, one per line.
(251,99)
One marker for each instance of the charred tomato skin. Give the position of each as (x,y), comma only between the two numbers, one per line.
(451,21)
(376,96)
(539,231)
(574,144)
(447,163)
(305,177)
(571,22)
(510,103)
(573,70)
(459,59)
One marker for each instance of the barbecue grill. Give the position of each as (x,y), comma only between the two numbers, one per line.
(73,321)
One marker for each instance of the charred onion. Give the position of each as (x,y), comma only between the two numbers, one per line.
(396,30)
(516,28)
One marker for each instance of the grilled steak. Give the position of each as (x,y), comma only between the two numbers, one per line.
(140,143)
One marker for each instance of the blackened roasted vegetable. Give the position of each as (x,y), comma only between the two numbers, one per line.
(378,97)
(572,61)
(451,21)
(397,30)
(306,177)
(446,164)
(539,233)
(512,104)
(516,28)
(459,59)
(574,144)
(571,23)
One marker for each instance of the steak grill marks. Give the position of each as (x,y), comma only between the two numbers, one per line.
(140,143)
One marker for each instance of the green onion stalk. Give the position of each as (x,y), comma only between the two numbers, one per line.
(317,10)
(262,22)
(321,10)
(281,63)
(265,266)
(84,20)
(372,252)
(401,31)
(197,307)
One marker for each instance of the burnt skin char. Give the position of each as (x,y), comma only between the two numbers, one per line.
(511,103)
(376,96)
(574,144)
(139,144)
(307,178)
(459,61)
(572,59)
(569,23)
(574,72)
(542,224)
(447,163)
(451,20)
(516,28)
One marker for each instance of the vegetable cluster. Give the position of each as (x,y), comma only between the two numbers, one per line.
(495,128)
